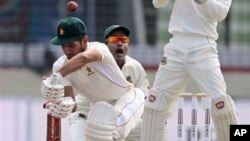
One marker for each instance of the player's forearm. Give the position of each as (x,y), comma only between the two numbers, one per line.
(215,9)
(79,61)
(72,65)
(68,91)
(160,3)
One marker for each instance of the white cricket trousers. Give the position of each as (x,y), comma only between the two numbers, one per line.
(186,57)
(77,126)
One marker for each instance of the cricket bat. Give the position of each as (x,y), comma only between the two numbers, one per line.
(53,126)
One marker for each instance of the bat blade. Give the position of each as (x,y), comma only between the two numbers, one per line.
(53,128)
(53,125)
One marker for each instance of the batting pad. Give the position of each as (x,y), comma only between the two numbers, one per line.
(131,106)
(224,113)
(101,122)
(153,126)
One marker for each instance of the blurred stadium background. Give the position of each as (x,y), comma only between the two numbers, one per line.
(26,27)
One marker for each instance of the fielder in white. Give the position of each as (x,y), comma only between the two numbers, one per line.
(190,54)
(91,70)
(117,39)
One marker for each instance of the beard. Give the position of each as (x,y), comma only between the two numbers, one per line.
(71,55)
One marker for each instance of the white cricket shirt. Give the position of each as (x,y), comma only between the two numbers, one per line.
(98,81)
(135,73)
(188,17)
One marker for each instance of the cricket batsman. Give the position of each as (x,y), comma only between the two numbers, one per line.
(117,39)
(116,106)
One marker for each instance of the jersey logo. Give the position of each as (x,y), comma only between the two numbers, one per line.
(164,60)
(89,71)
(220,105)
(151,98)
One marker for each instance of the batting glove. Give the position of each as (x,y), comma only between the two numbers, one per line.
(62,107)
(50,88)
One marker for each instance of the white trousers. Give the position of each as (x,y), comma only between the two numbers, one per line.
(77,120)
(186,57)
(77,124)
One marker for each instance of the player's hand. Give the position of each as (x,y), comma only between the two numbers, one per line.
(50,88)
(62,107)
